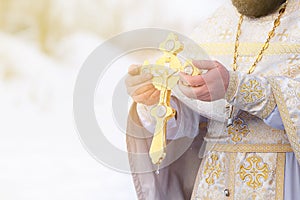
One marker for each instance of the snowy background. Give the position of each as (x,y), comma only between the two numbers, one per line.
(42,47)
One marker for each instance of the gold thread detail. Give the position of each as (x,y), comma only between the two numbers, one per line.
(265,46)
(212,169)
(238,130)
(231,177)
(251,91)
(287,121)
(246,148)
(253,171)
(232,86)
(250,49)
(280,176)
(271,104)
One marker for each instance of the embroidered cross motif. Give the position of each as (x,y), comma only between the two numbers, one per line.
(283,35)
(226,34)
(212,169)
(292,71)
(251,91)
(238,130)
(254,172)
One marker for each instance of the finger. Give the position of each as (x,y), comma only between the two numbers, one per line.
(137,79)
(131,90)
(187,91)
(206,64)
(192,80)
(155,94)
(142,98)
(200,93)
(144,89)
(134,70)
(153,99)
(203,93)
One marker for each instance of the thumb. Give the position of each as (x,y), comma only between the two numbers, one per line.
(206,64)
(134,70)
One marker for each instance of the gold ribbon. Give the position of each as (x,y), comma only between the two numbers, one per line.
(244,148)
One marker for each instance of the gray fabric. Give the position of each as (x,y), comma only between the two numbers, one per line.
(292,178)
(175,181)
(274,120)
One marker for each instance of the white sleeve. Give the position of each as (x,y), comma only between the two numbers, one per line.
(186,123)
(274,120)
(148,121)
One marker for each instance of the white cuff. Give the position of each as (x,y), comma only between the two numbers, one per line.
(186,125)
(148,121)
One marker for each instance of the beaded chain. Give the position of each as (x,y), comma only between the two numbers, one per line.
(264,47)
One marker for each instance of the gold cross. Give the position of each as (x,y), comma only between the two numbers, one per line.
(238,130)
(165,77)
(254,172)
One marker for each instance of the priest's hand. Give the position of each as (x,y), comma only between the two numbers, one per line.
(140,87)
(209,86)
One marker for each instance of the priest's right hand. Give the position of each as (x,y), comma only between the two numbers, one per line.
(140,87)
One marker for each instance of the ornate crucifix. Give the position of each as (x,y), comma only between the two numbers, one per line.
(165,77)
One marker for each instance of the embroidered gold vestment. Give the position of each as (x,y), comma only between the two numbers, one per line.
(248,159)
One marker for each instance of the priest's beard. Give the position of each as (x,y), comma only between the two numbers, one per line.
(257,8)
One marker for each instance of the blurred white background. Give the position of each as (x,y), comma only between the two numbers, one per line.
(42,46)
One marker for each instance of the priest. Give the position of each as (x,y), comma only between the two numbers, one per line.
(248,146)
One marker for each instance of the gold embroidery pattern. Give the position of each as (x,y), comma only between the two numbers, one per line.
(269,107)
(251,91)
(226,34)
(212,169)
(280,176)
(238,130)
(245,148)
(232,86)
(250,49)
(287,121)
(294,59)
(231,177)
(253,171)
(291,70)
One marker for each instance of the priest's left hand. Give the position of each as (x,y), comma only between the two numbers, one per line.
(209,86)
